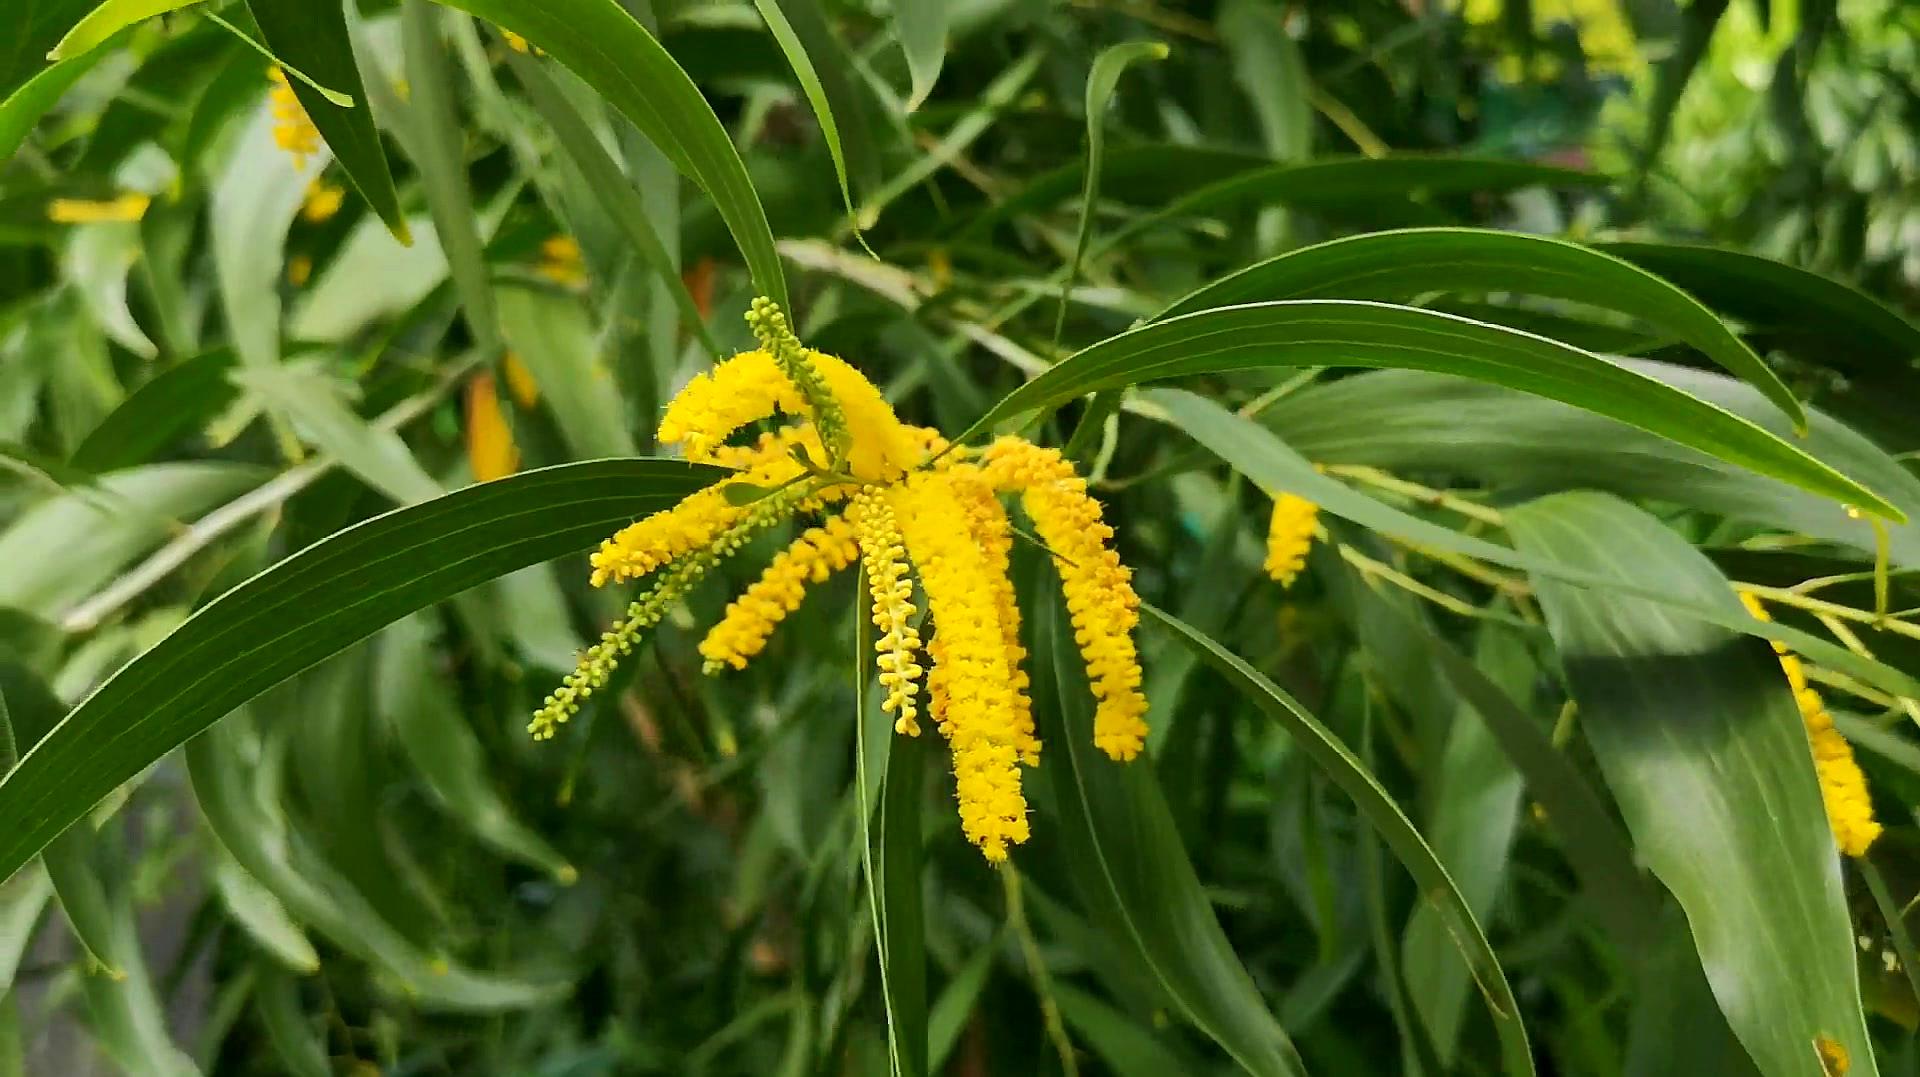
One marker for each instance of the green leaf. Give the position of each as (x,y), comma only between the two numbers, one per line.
(1319,332)
(411,693)
(1409,419)
(1833,321)
(369,278)
(260,914)
(272,627)
(921,27)
(601,43)
(1102,80)
(301,1047)
(1271,73)
(1404,264)
(819,97)
(182,398)
(107,20)
(1126,858)
(35,30)
(312,37)
(897,861)
(22,108)
(615,190)
(1122,1043)
(551,335)
(1700,739)
(954,1006)
(1377,806)
(312,402)
(98,258)
(1270,463)
(255,197)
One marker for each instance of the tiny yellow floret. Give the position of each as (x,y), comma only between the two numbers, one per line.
(1290,536)
(293,129)
(321,201)
(1843,788)
(818,553)
(562,263)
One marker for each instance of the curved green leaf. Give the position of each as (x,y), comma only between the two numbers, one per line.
(1323,332)
(312,37)
(921,27)
(1131,868)
(1378,807)
(601,43)
(179,399)
(268,628)
(1700,739)
(22,108)
(1402,264)
(1837,322)
(106,20)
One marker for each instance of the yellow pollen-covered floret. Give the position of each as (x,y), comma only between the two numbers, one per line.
(883,554)
(1843,788)
(1290,536)
(818,553)
(744,389)
(561,261)
(293,129)
(321,201)
(979,718)
(1098,588)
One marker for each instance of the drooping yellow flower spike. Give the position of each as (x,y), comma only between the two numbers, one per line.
(1843,788)
(1290,536)
(906,504)
(293,129)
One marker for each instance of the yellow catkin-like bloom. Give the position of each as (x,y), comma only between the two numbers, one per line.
(883,554)
(127,207)
(562,263)
(990,529)
(744,389)
(293,129)
(978,718)
(1290,536)
(490,448)
(742,633)
(520,382)
(1098,588)
(321,201)
(1843,788)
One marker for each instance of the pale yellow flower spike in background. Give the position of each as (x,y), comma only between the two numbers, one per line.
(321,201)
(1843,788)
(742,633)
(1290,536)
(293,129)
(1098,588)
(914,507)
(884,556)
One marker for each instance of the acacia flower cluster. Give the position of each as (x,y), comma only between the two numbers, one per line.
(1290,536)
(906,504)
(293,129)
(1843,788)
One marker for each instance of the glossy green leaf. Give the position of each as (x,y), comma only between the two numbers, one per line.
(551,335)
(36,29)
(1270,71)
(1377,806)
(813,87)
(260,914)
(1409,419)
(22,108)
(22,899)
(616,192)
(843,104)
(1404,264)
(921,27)
(601,43)
(954,1007)
(106,20)
(1102,80)
(312,38)
(1128,1048)
(268,628)
(1126,858)
(312,402)
(1318,332)
(1838,322)
(180,399)
(1271,464)
(1702,744)
(412,695)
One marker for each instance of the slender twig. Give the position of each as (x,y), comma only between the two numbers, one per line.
(1373,476)
(1380,570)
(1037,966)
(1818,606)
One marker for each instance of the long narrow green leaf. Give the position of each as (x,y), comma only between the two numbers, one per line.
(1403,264)
(552,336)
(1384,815)
(1102,80)
(22,108)
(179,399)
(897,861)
(1319,332)
(1270,463)
(811,84)
(312,37)
(1700,739)
(1132,870)
(921,26)
(601,43)
(270,627)
(106,20)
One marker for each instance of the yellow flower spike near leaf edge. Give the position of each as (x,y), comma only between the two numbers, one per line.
(908,506)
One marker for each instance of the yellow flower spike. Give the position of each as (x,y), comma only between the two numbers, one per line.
(321,201)
(884,556)
(987,523)
(1290,536)
(744,389)
(520,381)
(127,207)
(490,448)
(293,129)
(742,633)
(979,718)
(561,261)
(1843,788)
(597,664)
(1098,588)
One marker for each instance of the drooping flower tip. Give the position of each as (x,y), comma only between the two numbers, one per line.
(1290,536)
(293,129)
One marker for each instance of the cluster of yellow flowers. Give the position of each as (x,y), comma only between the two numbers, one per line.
(1290,536)
(293,129)
(1842,787)
(905,503)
